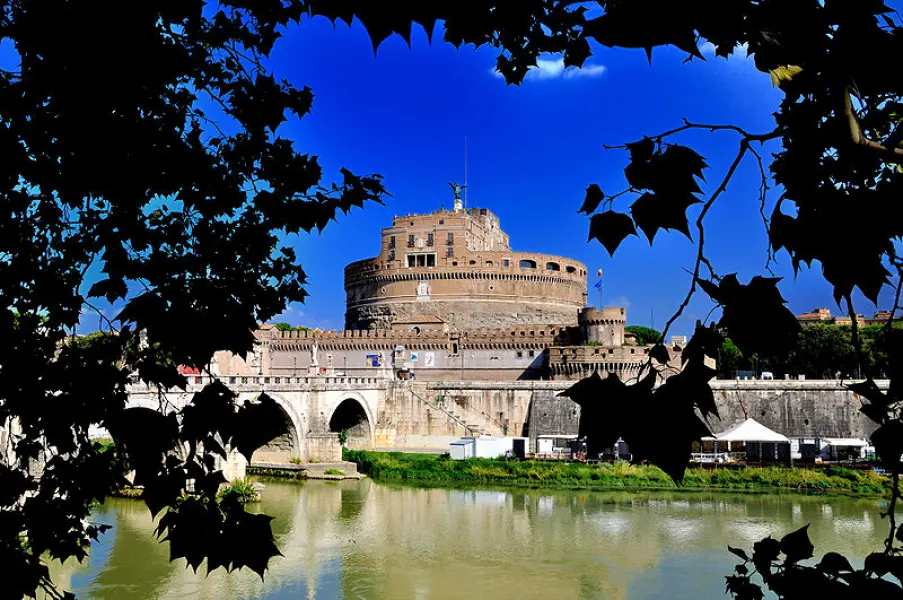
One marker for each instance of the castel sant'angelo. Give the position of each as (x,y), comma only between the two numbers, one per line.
(447,298)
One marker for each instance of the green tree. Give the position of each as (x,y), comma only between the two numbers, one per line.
(730,359)
(288,327)
(823,352)
(644,335)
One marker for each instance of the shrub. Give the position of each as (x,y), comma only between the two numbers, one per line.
(334,472)
(243,490)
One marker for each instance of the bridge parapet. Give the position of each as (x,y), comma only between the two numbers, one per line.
(260,383)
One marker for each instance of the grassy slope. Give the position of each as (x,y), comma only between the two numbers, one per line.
(398,466)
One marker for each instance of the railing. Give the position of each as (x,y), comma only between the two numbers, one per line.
(717,457)
(450,415)
(264,380)
(462,401)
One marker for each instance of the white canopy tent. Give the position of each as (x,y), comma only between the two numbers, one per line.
(749,430)
(850,442)
(843,448)
(753,435)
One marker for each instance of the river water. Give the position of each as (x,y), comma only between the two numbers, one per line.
(361,539)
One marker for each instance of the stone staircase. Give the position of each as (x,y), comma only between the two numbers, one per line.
(450,413)
(474,422)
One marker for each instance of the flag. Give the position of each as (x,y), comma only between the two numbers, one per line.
(599,273)
(598,285)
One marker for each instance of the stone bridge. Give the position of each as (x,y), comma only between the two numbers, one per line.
(381,412)
(315,410)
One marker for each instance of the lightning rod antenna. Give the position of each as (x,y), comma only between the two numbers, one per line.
(465,172)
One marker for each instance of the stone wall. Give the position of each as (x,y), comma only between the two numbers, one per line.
(491,354)
(801,409)
(323,447)
(797,409)
(467,296)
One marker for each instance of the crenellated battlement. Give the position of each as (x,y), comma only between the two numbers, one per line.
(512,337)
(608,314)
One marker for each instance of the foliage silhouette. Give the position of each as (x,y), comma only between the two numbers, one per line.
(168,176)
(171,177)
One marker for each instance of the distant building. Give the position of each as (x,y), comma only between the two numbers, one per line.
(823,316)
(817,316)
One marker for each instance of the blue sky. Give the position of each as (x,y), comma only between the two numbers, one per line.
(532,151)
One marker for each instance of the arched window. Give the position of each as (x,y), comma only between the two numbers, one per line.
(570,269)
(552,266)
(528,264)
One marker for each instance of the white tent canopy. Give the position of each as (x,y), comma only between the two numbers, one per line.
(856,443)
(749,430)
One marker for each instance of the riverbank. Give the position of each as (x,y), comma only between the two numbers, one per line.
(406,467)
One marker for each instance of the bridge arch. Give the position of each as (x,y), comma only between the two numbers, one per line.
(352,415)
(288,445)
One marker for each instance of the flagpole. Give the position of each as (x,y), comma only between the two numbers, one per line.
(599,285)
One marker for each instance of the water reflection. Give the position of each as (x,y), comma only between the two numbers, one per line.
(365,540)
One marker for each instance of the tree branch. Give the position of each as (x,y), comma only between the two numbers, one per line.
(700,257)
(749,137)
(891,155)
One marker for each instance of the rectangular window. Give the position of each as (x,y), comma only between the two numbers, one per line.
(391,254)
(451,251)
(506,262)
(442,221)
(429,239)
(422,260)
(451,239)
(410,241)
(519,354)
(392,242)
(532,353)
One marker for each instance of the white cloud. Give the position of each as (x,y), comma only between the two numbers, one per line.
(547,69)
(291,315)
(586,71)
(553,68)
(621,301)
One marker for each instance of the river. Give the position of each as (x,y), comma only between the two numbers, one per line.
(361,539)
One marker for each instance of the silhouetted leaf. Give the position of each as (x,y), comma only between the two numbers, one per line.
(610,228)
(256,424)
(888,442)
(870,391)
(594,197)
(754,315)
(740,552)
(797,546)
(833,563)
(660,353)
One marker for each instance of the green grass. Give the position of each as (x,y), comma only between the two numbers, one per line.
(399,466)
(334,472)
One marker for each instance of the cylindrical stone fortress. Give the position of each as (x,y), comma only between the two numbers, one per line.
(454,269)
